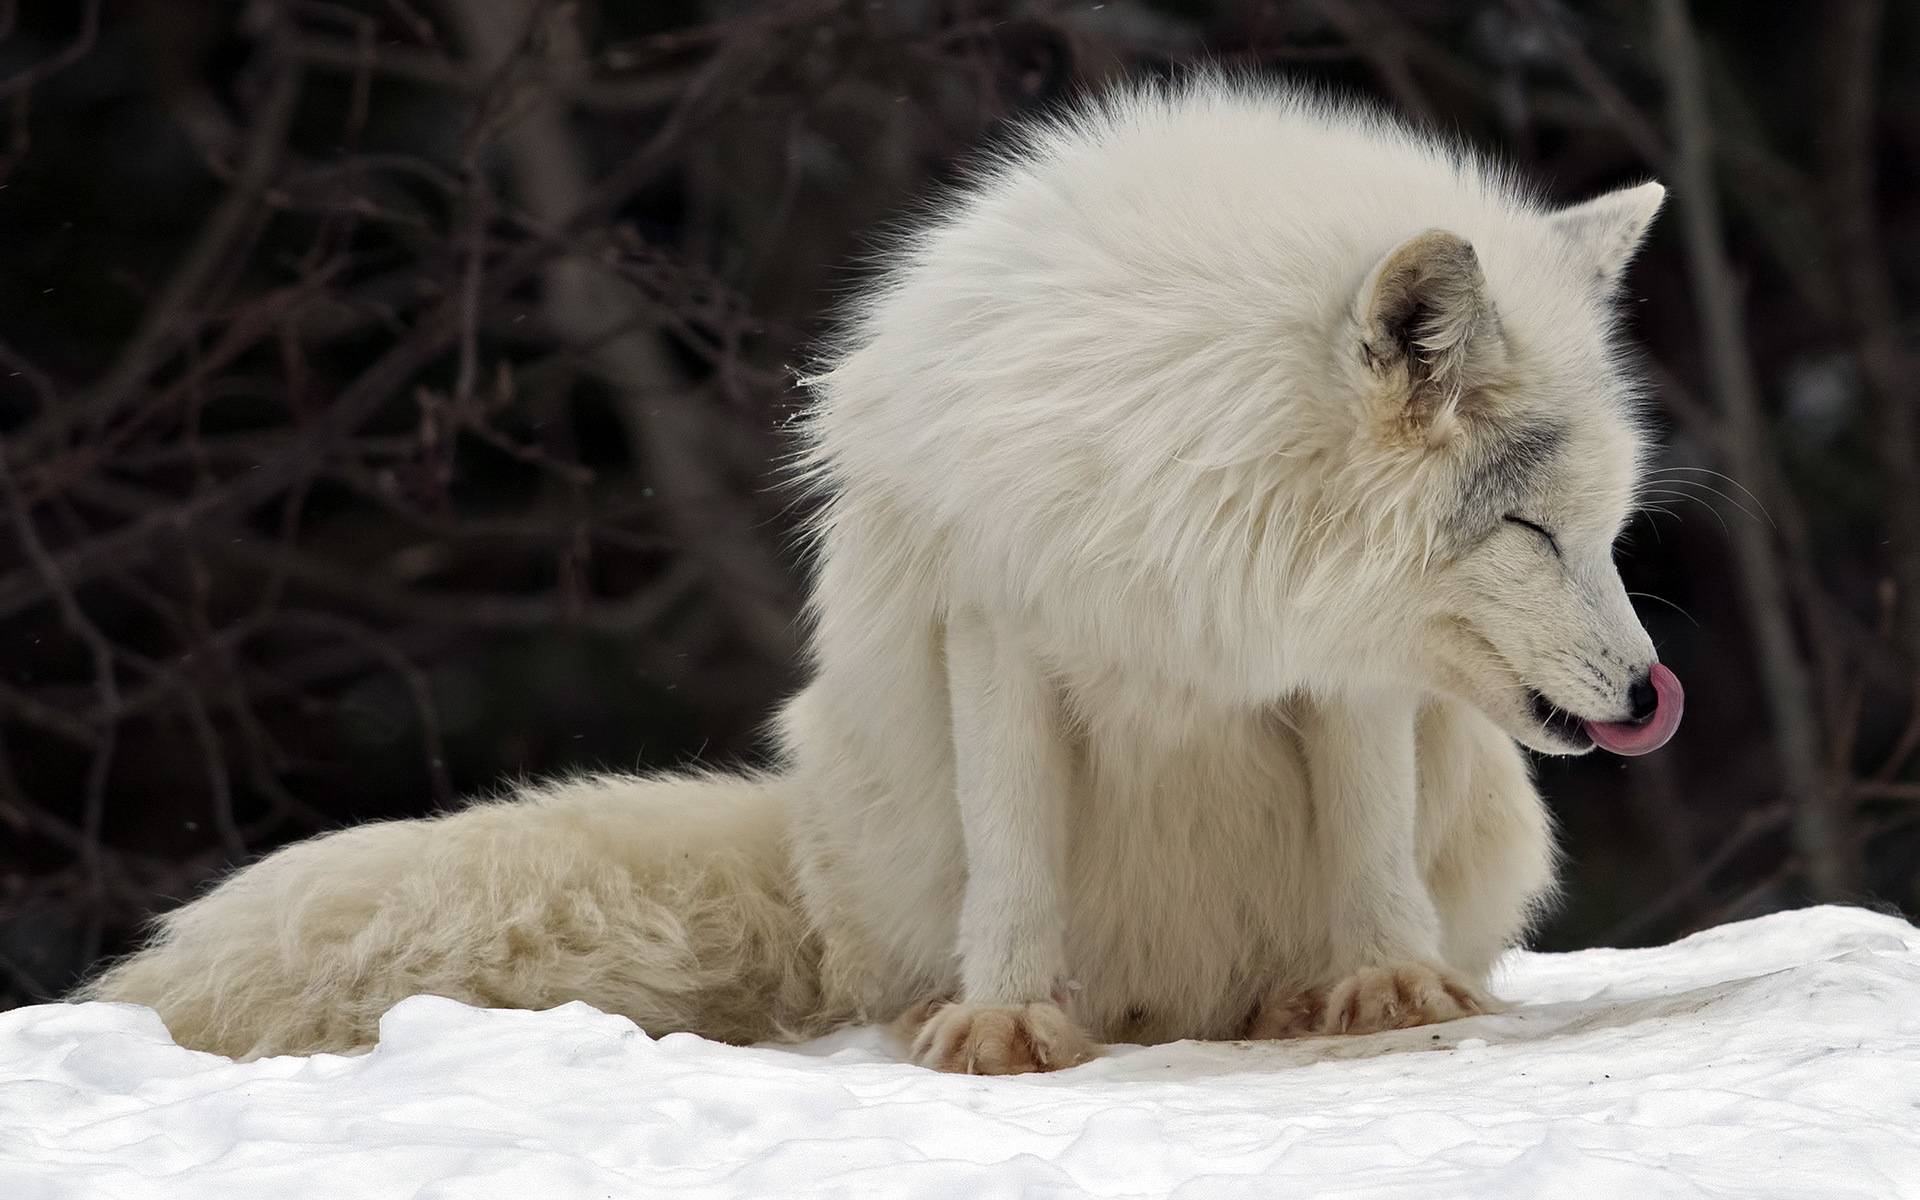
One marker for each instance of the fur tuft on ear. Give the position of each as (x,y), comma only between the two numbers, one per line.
(1606,230)
(1427,327)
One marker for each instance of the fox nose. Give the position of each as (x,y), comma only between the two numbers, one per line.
(1643,698)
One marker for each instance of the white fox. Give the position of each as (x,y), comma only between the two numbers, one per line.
(1218,489)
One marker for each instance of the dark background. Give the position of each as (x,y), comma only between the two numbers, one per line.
(325,504)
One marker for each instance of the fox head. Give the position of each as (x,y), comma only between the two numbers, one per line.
(1499,409)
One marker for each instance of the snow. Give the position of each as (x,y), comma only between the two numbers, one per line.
(1778,1057)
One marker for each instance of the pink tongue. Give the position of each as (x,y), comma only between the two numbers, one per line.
(1638,737)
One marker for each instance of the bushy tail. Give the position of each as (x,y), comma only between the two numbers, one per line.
(669,901)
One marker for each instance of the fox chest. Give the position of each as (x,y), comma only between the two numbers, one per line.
(1191,881)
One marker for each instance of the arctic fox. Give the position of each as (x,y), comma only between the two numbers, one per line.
(1216,491)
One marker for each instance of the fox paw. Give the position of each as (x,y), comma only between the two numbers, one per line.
(988,1039)
(1370,1000)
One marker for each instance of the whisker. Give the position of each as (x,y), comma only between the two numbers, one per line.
(1763,515)
(1717,515)
(1676,495)
(1648,510)
(1670,604)
(1758,503)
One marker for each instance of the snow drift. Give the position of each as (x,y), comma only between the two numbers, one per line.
(1778,1057)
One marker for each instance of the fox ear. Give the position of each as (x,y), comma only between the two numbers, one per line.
(1606,230)
(1428,330)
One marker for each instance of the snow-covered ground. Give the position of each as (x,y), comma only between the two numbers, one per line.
(1778,1057)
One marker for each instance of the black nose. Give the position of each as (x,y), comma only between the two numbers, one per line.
(1643,698)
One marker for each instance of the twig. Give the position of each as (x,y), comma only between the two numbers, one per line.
(1743,900)
(362,100)
(1907,743)
(255,322)
(47,717)
(627,615)
(219,783)
(656,89)
(409,675)
(138,540)
(479,206)
(20,365)
(18,90)
(24,815)
(106,685)
(668,422)
(735,67)
(417,21)
(1847,728)
(18,83)
(1755,825)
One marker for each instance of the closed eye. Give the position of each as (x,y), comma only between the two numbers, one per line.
(1545,533)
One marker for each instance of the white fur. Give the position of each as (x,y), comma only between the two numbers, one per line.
(1169,642)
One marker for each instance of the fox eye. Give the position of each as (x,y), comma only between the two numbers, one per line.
(1545,533)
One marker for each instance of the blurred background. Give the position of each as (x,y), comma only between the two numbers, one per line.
(392,397)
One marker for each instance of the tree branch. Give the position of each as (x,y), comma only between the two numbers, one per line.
(139,539)
(77,49)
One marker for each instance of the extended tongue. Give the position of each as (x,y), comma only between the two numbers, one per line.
(1639,737)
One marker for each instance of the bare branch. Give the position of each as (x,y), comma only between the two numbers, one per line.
(219,783)
(138,540)
(46,716)
(82,43)
(19,365)
(655,89)
(668,421)
(106,685)
(395,660)
(1755,825)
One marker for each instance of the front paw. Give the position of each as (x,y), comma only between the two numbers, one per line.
(989,1039)
(1372,999)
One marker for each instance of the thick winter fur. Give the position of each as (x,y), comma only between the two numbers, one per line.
(667,902)
(1218,490)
